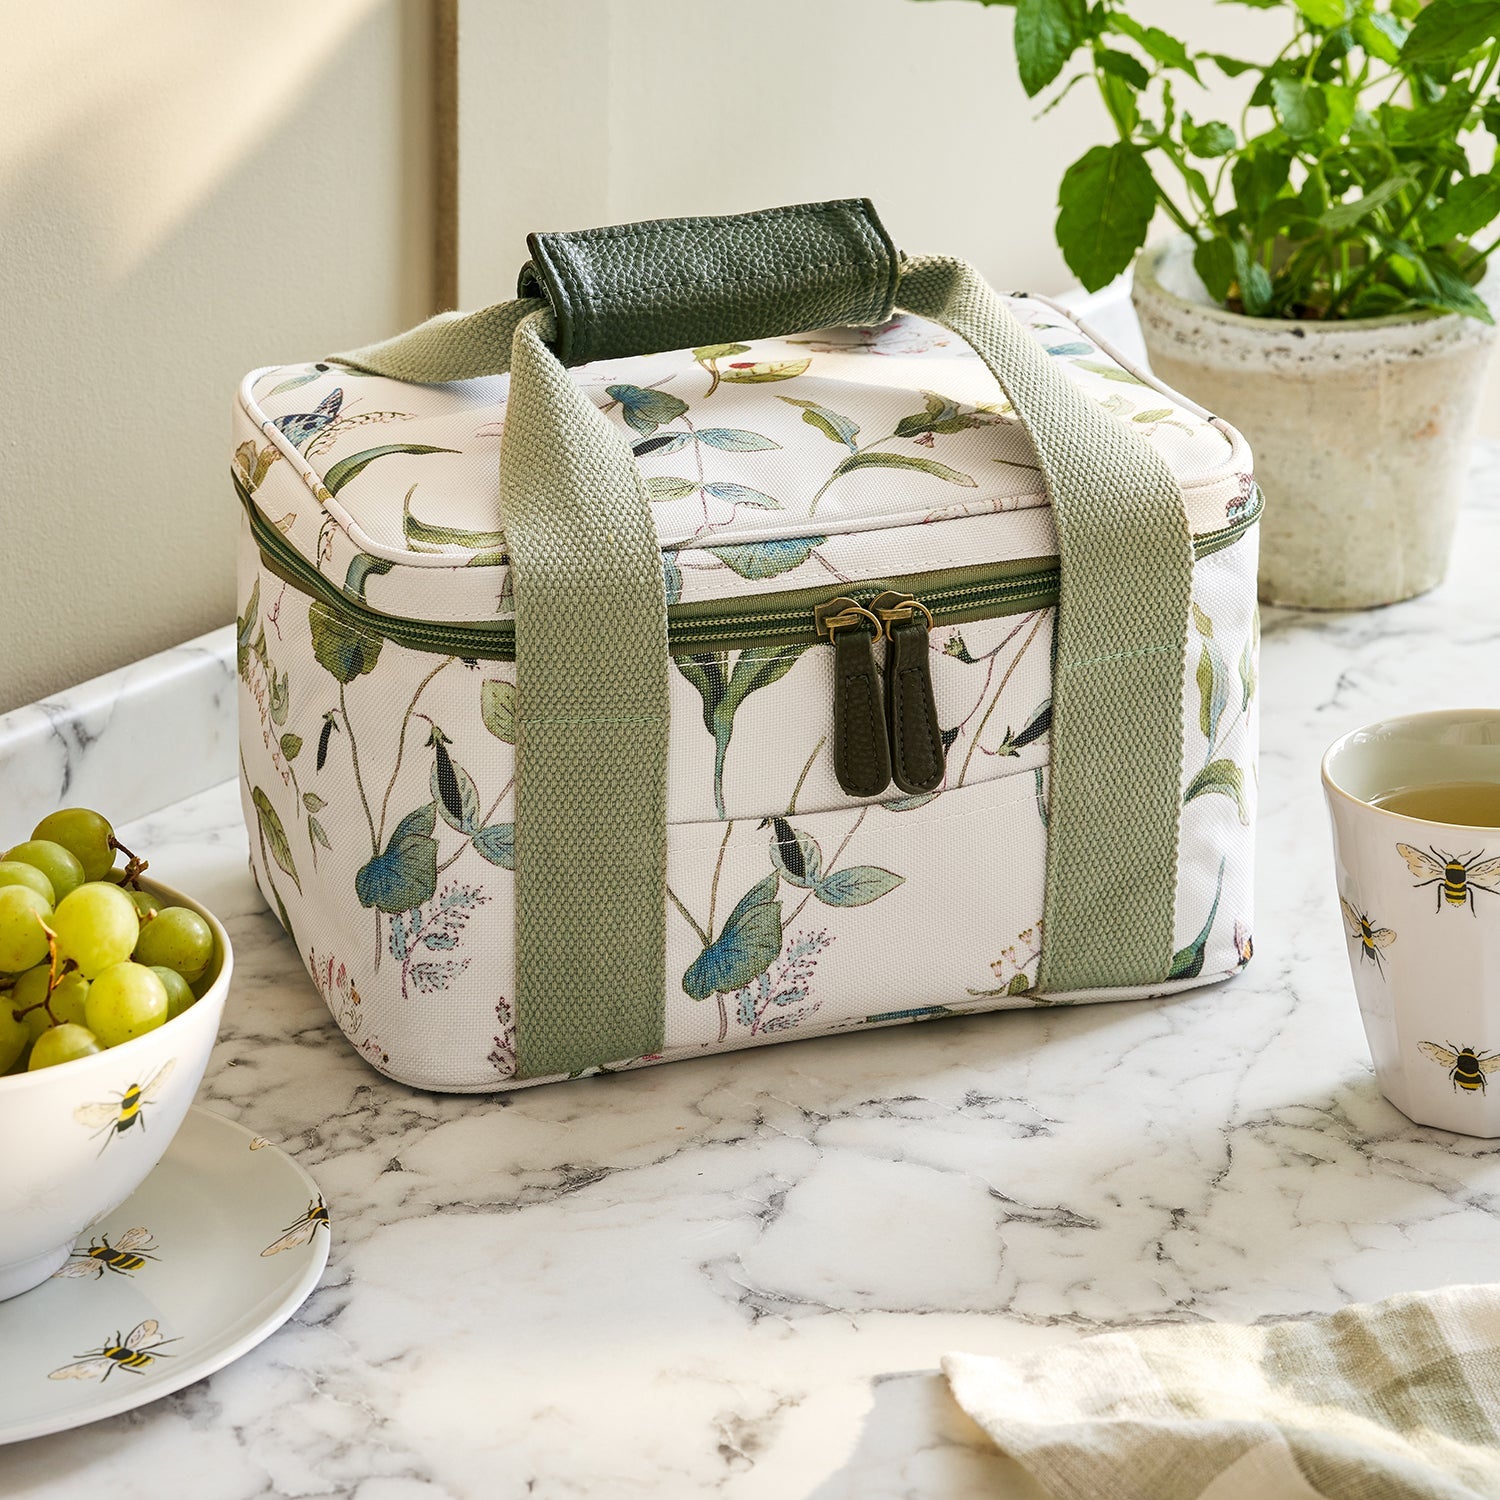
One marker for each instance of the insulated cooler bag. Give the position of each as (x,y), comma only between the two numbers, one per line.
(748,634)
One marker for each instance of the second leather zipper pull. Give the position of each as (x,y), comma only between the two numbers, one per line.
(918,761)
(861,749)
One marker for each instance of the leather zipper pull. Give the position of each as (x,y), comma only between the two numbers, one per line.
(918,761)
(861,747)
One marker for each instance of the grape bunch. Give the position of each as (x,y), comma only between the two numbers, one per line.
(88,959)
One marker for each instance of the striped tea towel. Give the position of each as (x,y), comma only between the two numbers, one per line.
(1397,1400)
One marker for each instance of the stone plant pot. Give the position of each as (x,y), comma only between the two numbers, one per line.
(1360,430)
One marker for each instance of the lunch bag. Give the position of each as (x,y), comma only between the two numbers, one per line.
(750,633)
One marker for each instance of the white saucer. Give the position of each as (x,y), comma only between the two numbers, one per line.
(232,1255)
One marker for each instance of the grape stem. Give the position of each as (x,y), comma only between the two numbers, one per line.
(52,979)
(135,866)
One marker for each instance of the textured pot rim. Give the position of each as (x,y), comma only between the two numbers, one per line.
(1299,336)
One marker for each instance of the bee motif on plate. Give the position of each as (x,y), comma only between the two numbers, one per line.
(1457,878)
(1371,939)
(139,1348)
(303,1230)
(125,1257)
(1467,1066)
(126,1111)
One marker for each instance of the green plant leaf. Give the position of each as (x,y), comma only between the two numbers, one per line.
(1381,35)
(1224,778)
(645,410)
(857,886)
(1324,13)
(1446,29)
(745,948)
(1157,43)
(878,460)
(1300,107)
(758,560)
(291,745)
(274,833)
(1470,206)
(1106,201)
(497,707)
(735,440)
(1213,260)
(352,467)
(340,647)
(497,843)
(831,424)
(1046,35)
(1345,215)
(1211,139)
(1256,290)
(1123,66)
(1230,67)
(404,874)
(781,369)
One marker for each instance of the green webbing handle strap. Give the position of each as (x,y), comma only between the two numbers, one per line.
(1126,556)
(691,283)
(592,675)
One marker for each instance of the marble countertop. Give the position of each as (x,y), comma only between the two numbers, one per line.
(736,1276)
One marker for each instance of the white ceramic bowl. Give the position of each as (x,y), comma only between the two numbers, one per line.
(78,1139)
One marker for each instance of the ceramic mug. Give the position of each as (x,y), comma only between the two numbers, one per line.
(1420,904)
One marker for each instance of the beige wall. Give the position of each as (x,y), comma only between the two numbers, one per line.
(186,190)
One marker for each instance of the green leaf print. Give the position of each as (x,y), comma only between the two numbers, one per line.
(767,559)
(781,369)
(425,535)
(341,648)
(497,843)
(244,628)
(497,707)
(746,946)
(669,487)
(352,467)
(856,886)
(831,424)
(903,461)
(735,440)
(645,410)
(944,417)
(795,854)
(1224,777)
(723,689)
(1213,690)
(719,351)
(274,833)
(671,577)
(1187,963)
(404,875)
(740,494)
(291,745)
(363,567)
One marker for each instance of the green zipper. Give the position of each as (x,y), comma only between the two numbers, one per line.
(953,596)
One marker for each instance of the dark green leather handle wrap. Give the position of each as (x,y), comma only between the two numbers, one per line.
(687,283)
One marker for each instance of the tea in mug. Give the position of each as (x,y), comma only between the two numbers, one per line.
(1475,804)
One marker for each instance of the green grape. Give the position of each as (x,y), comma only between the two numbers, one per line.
(14,1037)
(179,992)
(60,1044)
(125,1001)
(145,903)
(17,872)
(177,938)
(27,997)
(97,925)
(56,863)
(85,835)
(23,939)
(69,998)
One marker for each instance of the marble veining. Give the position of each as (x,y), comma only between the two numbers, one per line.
(129,742)
(735,1276)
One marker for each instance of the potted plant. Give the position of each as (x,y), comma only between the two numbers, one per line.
(1323,294)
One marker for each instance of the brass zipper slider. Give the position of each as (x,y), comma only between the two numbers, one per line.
(861,748)
(918,761)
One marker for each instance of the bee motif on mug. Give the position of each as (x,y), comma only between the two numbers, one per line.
(115,1116)
(1456,878)
(124,1258)
(1371,939)
(303,1230)
(139,1348)
(1467,1066)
